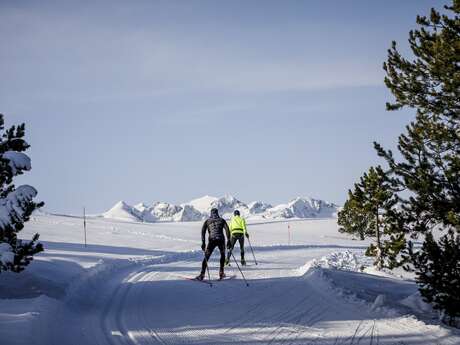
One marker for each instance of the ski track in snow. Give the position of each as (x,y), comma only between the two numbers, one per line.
(296,310)
(142,300)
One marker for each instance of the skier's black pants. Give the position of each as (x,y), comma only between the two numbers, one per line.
(208,252)
(233,239)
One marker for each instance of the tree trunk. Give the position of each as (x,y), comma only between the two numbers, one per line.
(379,246)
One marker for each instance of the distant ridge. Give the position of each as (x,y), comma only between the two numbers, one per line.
(198,209)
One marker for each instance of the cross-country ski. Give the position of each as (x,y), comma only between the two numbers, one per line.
(209,282)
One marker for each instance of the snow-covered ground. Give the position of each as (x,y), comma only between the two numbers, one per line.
(127,287)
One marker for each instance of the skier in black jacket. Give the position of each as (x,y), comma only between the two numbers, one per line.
(215,226)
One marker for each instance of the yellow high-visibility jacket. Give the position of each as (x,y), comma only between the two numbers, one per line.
(237,225)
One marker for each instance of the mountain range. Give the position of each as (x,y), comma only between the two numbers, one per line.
(199,209)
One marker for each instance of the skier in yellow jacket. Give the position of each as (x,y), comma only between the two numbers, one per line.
(237,231)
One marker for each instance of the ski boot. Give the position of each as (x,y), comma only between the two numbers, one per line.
(221,275)
(200,276)
(243,262)
(227,262)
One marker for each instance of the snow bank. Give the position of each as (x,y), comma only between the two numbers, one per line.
(344,260)
(341,261)
(82,290)
(415,303)
(350,274)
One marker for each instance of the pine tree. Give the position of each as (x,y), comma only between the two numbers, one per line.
(431,146)
(353,220)
(367,212)
(429,170)
(437,267)
(16,204)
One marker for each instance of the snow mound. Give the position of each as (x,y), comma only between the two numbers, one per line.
(379,302)
(417,304)
(345,260)
(82,291)
(346,273)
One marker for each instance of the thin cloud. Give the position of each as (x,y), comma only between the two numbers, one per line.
(72,57)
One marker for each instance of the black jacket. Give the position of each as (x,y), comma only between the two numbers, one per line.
(215,227)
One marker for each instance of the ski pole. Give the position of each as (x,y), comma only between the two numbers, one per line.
(252,250)
(236,262)
(207,269)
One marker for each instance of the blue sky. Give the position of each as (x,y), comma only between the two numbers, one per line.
(166,100)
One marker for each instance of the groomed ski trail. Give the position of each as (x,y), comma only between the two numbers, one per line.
(149,304)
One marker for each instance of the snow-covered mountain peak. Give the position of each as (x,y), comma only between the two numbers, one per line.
(301,199)
(121,210)
(141,207)
(257,207)
(228,198)
(120,204)
(227,204)
(303,207)
(199,209)
(203,204)
(311,202)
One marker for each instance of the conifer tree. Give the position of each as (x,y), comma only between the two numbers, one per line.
(16,204)
(353,220)
(429,168)
(368,211)
(431,147)
(437,267)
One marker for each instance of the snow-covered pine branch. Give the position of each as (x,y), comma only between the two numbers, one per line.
(16,204)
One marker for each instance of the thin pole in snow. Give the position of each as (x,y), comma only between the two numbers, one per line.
(84,223)
(289,234)
(236,262)
(207,268)
(252,250)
